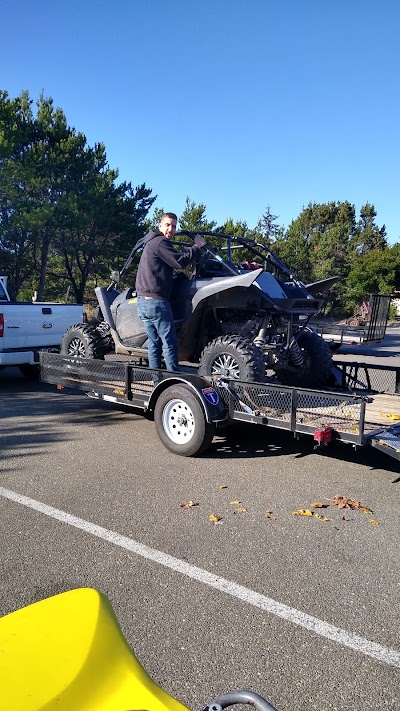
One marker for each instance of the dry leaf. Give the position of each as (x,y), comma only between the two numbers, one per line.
(270,516)
(222,486)
(319,505)
(390,415)
(214,518)
(188,505)
(374,523)
(241,510)
(234,503)
(302,512)
(321,518)
(342,502)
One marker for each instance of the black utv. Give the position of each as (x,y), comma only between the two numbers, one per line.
(239,312)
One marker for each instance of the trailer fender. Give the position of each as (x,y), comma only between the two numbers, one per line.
(214,407)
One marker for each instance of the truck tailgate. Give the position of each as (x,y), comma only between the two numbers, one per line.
(30,325)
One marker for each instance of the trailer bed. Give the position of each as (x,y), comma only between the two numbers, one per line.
(349,412)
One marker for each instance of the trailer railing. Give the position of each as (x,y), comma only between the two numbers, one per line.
(298,410)
(367,377)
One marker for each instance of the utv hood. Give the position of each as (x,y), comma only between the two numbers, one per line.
(216,286)
(288,297)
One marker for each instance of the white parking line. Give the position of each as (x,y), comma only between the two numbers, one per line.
(313,624)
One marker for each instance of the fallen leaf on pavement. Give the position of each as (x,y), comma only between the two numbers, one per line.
(214,518)
(374,523)
(321,518)
(319,505)
(222,486)
(342,502)
(391,415)
(188,505)
(302,512)
(234,503)
(241,510)
(270,515)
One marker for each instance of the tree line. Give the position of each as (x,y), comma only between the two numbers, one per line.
(66,221)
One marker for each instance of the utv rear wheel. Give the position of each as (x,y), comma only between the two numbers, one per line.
(181,422)
(107,342)
(233,356)
(82,341)
(316,371)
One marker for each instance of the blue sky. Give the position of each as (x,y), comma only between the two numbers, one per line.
(238,104)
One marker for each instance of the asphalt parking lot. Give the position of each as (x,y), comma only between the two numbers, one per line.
(301,610)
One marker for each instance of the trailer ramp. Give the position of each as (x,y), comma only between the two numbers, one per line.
(387,440)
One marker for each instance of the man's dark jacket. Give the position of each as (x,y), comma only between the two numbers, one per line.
(157,264)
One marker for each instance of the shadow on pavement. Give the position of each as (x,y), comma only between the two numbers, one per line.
(247,440)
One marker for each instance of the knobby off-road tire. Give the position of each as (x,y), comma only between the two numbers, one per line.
(181,422)
(82,341)
(29,371)
(107,341)
(318,363)
(353,321)
(233,356)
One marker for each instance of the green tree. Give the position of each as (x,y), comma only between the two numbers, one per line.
(194,218)
(377,271)
(367,234)
(64,219)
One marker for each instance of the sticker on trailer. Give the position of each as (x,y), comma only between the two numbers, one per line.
(211,396)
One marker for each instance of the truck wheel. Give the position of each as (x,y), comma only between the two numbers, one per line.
(30,372)
(317,368)
(233,356)
(82,341)
(181,422)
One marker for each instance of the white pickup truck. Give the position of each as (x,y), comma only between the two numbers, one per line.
(29,327)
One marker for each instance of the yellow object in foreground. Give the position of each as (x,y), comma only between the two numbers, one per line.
(68,653)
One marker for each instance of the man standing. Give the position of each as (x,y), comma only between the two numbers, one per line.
(154,283)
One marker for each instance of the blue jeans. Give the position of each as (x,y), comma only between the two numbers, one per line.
(158,322)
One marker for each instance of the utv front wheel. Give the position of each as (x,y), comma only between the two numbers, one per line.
(82,341)
(181,422)
(317,363)
(233,356)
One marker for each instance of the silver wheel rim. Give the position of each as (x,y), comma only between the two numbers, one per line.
(77,348)
(226,364)
(178,421)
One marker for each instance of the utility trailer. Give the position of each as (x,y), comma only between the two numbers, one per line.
(363,409)
(372,330)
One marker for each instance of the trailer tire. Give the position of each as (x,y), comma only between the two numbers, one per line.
(30,371)
(181,422)
(318,363)
(82,341)
(233,356)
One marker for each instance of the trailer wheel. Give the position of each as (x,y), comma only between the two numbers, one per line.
(82,341)
(29,371)
(181,422)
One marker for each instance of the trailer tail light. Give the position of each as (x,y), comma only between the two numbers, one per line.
(323,436)
(1,325)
